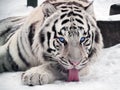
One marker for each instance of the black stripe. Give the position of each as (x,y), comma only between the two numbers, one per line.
(9,37)
(42,37)
(4,68)
(62,16)
(48,37)
(60,33)
(97,37)
(80,27)
(63,28)
(71,13)
(88,27)
(21,42)
(88,31)
(15,20)
(47,25)
(78,11)
(85,33)
(64,63)
(49,50)
(78,20)
(31,33)
(6,31)
(64,10)
(92,52)
(13,64)
(64,7)
(54,44)
(62,58)
(92,37)
(87,44)
(70,7)
(54,29)
(78,15)
(76,8)
(65,21)
(56,21)
(59,43)
(21,56)
(86,41)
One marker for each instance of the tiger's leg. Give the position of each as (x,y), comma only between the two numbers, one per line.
(40,75)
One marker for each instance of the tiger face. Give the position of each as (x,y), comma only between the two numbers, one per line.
(69,37)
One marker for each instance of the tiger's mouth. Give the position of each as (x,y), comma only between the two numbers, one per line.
(73,68)
(72,72)
(66,67)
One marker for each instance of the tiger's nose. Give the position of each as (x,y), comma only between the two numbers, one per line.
(74,63)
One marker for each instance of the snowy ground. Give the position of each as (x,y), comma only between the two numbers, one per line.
(104,74)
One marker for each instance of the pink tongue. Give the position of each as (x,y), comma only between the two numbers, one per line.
(73,75)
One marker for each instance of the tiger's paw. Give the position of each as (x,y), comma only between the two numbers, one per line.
(32,78)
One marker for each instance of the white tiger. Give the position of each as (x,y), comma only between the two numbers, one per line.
(58,41)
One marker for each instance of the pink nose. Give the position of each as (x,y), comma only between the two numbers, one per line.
(75,63)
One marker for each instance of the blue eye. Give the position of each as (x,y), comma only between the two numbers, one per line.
(82,39)
(61,39)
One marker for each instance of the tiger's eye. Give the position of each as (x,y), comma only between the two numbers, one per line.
(61,39)
(82,39)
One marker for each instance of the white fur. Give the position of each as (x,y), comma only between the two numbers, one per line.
(43,72)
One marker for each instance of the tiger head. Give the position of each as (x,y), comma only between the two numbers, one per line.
(69,36)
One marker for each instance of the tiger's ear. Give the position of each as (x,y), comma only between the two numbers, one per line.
(48,9)
(89,8)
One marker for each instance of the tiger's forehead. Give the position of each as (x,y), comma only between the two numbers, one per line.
(68,20)
(72,19)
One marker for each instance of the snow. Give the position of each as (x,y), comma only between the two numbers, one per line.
(104,74)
